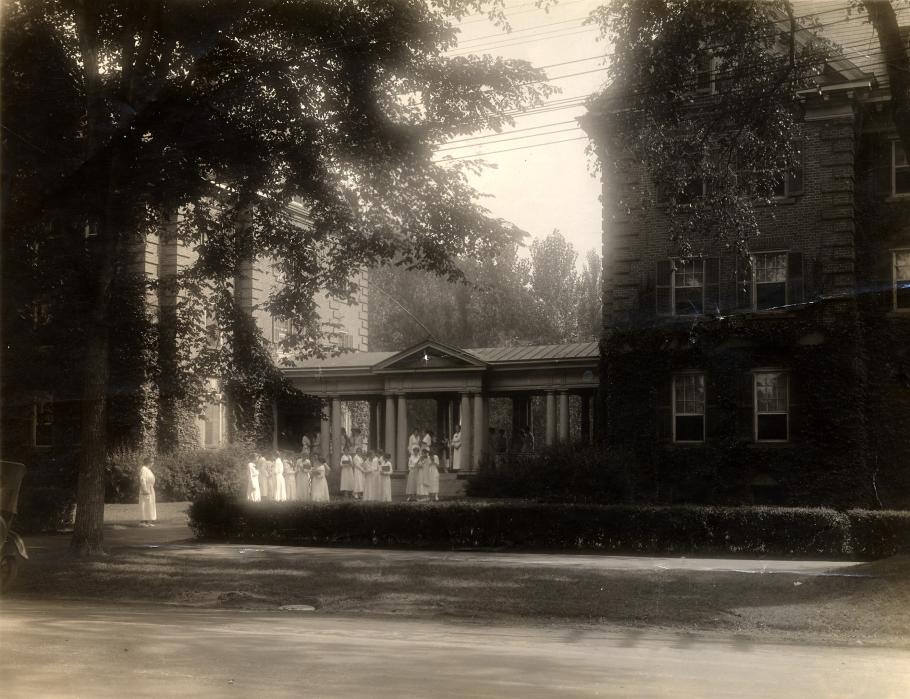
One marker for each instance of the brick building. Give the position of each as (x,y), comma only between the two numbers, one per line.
(783,377)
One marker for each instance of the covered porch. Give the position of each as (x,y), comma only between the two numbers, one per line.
(462,384)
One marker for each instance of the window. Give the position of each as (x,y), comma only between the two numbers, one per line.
(345,340)
(705,70)
(791,183)
(281,328)
(689,408)
(769,280)
(900,170)
(687,287)
(43,422)
(212,425)
(901,278)
(772,406)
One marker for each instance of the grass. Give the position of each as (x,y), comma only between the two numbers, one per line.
(872,608)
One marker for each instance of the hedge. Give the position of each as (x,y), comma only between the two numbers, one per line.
(632,529)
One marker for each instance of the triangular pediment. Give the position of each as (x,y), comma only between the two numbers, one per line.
(430,355)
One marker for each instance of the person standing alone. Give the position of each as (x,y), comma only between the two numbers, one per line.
(149,512)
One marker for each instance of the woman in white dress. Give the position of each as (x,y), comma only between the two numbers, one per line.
(423,474)
(303,480)
(347,476)
(410,488)
(371,477)
(305,446)
(149,510)
(433,477)
(385,479)
(290,478)
(414,441)
(252,481)
(265,478)
(456,448)
(319,488)
(280,493)
(358,475)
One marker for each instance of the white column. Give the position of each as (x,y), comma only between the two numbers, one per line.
(563,417)
(336,432)
(401,440)
(389,445)
(325,430)
(467,433)
(551,419)
(480,429)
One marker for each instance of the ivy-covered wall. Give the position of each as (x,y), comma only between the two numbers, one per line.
(824,461)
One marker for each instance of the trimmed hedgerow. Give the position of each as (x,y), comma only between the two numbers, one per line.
(811,532)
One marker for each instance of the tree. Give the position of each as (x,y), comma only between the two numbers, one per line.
(709,101)
(590,297)
(117,114)
(554,286)
(490,306)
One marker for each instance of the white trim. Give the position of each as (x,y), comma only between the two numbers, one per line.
(755,374)
(704,271)
(702,414)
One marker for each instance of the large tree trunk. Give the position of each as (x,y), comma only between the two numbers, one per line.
(88,533)
(897,62)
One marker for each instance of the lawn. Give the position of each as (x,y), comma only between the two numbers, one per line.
(871,604)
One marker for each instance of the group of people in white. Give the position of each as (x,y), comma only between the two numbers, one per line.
(365,474)
(299,479)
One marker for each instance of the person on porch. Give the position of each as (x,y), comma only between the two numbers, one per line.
(456,448)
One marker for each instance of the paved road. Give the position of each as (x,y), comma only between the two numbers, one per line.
(69,649)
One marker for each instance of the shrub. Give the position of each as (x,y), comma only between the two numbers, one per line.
(190,474)
(767,531)
(566,473)
(45,508)
(879,533)
(122,475)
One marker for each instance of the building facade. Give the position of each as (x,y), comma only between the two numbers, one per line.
(784,376)
(41,364)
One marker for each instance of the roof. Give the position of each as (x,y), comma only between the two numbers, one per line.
(489,355)
(499,355)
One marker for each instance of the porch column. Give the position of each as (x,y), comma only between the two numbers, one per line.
(335,459)
(516,416)
(373,438)
(441,410)
(389,445)
(563,417)
(401,439)
(275,425)
(324,429)
(551,419)
(586,419)
(480,429)
(467,433)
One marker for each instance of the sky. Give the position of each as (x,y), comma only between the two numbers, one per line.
(542,187)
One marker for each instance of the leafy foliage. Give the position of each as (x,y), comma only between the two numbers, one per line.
(506,299)
(704,94)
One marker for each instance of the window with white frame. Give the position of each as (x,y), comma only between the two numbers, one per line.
(769,280)
(43,422)
(212,424)
(900,275)
(345,339)
(687,287)
(689,408)
(281,328)
(900,170)
(771,391)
